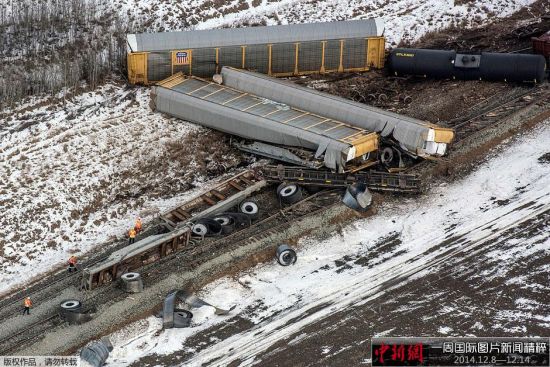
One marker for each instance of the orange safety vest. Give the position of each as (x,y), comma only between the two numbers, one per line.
(132,233)
(138,224)
(27,302)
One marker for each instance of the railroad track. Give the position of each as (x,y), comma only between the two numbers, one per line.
(379,284)
(44,287)
(262,229)
(469,126)
(274,222)
(485,116)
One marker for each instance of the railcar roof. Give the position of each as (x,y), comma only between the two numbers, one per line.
(280,114)
(166,41)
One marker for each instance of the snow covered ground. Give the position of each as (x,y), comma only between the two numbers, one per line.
(76,176)
(497,215)
(70,178)
(405,19)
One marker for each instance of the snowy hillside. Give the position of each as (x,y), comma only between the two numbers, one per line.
(78,174)
(405,19)
(77,170)
(476,226)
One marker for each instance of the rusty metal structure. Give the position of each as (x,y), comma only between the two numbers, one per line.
(217,200)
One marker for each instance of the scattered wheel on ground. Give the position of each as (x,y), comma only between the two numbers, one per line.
(71,305)
(132,282)
(71,311)
(386,156)
(223,220)
(130,276)
(206,227)
(285,255)
(227,222)
(250,208)
(289,193)
(200,229)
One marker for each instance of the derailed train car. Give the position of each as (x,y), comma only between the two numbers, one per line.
(281,50)
(509,67)
(415,137)
(338,145)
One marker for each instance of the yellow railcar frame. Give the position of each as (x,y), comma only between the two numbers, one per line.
(375,57)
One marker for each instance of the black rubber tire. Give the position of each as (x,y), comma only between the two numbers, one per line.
(387,156)
(188,314)
(289,193)
(212,227)
(199,229)
(285,255)
(227,222)
(130,277)
(250,208)
(70,305)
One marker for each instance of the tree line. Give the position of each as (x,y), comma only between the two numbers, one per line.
(49,45)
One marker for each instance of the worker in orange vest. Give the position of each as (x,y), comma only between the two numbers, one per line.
(72,264)
(138,225)
(28,304)
(132,236)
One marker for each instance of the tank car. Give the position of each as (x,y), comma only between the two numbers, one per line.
(509,67)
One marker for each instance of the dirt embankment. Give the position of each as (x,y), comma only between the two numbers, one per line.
(443,100)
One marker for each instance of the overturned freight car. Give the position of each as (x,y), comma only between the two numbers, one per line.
(339,146)
(493,66)
(412,136)
(279,50)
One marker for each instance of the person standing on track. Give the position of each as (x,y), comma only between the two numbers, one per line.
(27,303)
(138,225)
(132,236)
(72,264)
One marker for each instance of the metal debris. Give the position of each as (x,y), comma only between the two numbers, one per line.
(96,353)
(179,318)
(132,282)
(71,311)
(357,197)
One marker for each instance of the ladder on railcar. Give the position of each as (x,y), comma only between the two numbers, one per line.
(377,181)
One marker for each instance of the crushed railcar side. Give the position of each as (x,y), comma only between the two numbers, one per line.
(415,137)
(229,110)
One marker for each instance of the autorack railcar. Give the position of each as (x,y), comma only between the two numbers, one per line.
(280,50)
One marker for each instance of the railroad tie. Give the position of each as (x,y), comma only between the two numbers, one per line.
(183,212)
(218,194)
(236,186)
(179,216)
(245,180)
(208,200)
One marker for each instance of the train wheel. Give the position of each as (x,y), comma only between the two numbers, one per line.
(289,193)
